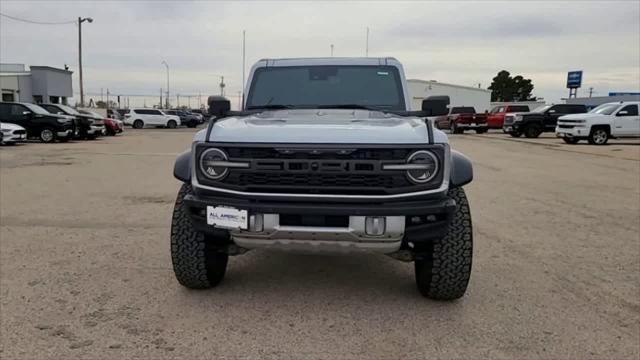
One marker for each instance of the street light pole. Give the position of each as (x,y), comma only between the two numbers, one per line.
(80,21)
(167,97)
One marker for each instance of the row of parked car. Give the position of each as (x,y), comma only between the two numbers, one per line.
(145,117)
(571,122)
(53,122)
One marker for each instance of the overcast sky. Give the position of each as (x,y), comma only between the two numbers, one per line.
(463,43)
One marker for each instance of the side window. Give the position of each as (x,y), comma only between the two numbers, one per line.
(632,110)
(577,109)
(155,112)
(500,109)
(17,110)
(5,111)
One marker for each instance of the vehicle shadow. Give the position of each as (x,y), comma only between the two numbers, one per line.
(279,277)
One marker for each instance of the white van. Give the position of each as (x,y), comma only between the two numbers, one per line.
(139,118)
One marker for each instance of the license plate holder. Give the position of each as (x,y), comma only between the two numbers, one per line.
(227,217)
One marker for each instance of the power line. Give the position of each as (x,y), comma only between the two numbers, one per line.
(38,22)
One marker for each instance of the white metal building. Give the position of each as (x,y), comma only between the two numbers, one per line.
(460,95)
(39,84)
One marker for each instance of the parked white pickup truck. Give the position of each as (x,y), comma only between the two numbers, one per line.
(610,120)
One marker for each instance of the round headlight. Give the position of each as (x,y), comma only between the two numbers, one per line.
(207,160)
(428,168)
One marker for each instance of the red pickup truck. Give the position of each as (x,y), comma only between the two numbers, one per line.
(495,120)
(463,118)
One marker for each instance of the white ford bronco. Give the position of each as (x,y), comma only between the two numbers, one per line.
(324,157)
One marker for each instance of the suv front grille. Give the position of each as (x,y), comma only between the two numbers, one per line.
(321,170)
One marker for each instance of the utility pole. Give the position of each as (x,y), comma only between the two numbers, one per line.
(178,100)
(107,97)
(167,66)
(160,98)
(590,91)
(331,50)
(366,52)
(222,85)
(80,21)
(101,97)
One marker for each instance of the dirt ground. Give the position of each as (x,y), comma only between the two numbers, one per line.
(85,270)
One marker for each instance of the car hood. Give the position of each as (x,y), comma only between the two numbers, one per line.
(583,116)
(321,126)
(10,126)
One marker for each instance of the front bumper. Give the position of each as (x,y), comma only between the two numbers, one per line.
(406,222)
(514,127)
(95,130)
(65,133)
(472,126)
(574,132)
(13,138)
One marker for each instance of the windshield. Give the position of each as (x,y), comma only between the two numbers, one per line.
(326,86)
(542,108)
(36,109)
(605,109)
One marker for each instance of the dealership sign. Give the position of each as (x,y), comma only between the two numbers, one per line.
(574,79)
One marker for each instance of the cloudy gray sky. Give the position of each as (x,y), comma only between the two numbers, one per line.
(461,42)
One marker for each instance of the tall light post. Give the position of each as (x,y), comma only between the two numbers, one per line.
(80,21)
(167,98)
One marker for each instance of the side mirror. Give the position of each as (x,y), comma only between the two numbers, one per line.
(622,113)
(218,106)
(551,111)
(435,105)
(27,113)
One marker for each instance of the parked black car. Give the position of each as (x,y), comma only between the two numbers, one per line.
(37,121)
(542,119)
(204,115)
(185,118)
(87,127)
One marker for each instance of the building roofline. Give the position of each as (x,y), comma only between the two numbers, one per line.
(447,84)
(38,67)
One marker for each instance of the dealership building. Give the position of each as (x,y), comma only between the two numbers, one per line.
(39,84)
(459,95)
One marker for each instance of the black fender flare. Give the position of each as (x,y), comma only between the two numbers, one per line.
(461,170)
(182,167)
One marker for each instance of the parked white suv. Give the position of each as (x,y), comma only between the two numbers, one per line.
(139,118)
(610,120)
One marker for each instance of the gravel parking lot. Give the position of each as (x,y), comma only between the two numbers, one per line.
(85,270)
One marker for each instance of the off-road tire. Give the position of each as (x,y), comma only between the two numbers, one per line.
(598,136)
(138,124)
(172,124)
(532,131)
(443,268)
(47,135)
(197,261)
(571,141)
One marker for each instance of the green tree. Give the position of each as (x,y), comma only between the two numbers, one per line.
(507,88)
